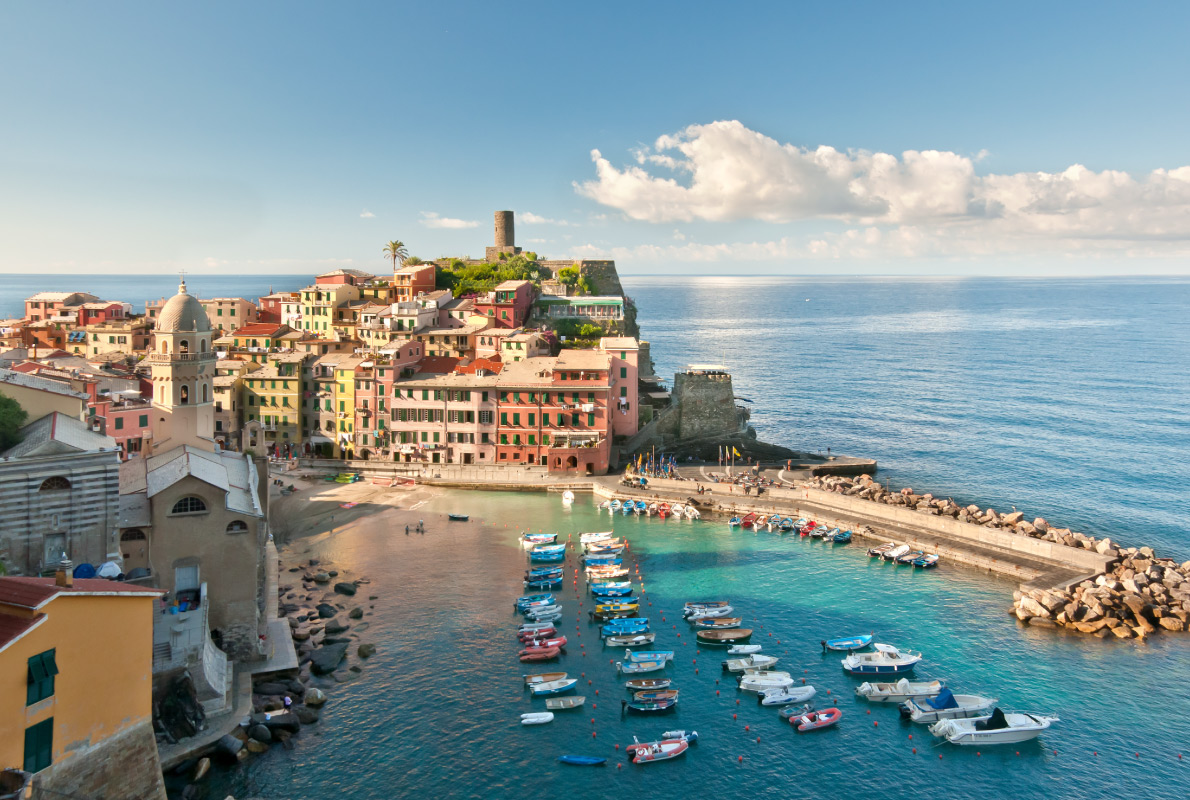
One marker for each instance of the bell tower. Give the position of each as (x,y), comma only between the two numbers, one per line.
(182,363)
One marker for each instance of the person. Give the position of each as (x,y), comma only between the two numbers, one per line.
(406,529)
(288,701)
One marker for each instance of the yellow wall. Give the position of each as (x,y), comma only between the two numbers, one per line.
(105,673)
(39,403)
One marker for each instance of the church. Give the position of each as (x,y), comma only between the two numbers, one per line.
(194,515)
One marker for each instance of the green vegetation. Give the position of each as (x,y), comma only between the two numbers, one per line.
(12,417)
(579,335)
(396,251)
(412,261)
(571,276)
(462,278)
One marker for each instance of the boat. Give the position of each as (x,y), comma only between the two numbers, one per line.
(693,513)
(648,706)
(997,728)
(816,720)
(708,612)
(724,637)
(603,573)
(754,661)
(926,561)
(947,706)
(538,718)
(603,560)
(895,553)
(763,680)
(524,601)
(568,496)
(613,627)
(879,550)
(638,667)
(801,523)
(678,510)
(531,636)
(657,751)
(614,505)
(617,607)
(545,616)
(544,583)
(607,616)
(786,696)
(910,557)
(734,522)
(602,586)
(641,506)
(541,611)
(723,623)
(649,655)
(644,684)
(651,695)
(651,510)
(748,521)
(628,508)
(630,640)
(843,537)
(586,538)
(582,761)
(601,591)
(760,522)
(539,653)
(550,548)
(689,736)
(546,558)
(564,703)
(848,643)
(691,604)
(535,626)
(898,692)
(458,517)
(604,549)
(886,660)
(605,504)
(808,528)
(553,687)
(531,540)
(663,510)
(543,677)
(824,533)
(744,649)
(557,641)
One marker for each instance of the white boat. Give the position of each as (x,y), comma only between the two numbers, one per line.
(534,627)
(895,553)
(614,505)
(898,692)
(606,504)
(553,687)
(649,655)
(744,649)
(761,680)
(788,696)
(886,660)
(537,612)
(692,513)
(630,640)
(586,538)
(677,509)
(652,509)
(996,728)
(693,614)
(539,718)
(567,496)
(947,706)
(754,661)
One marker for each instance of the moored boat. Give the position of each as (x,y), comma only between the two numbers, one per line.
(543,677)
(649,655)
(787,696)
(641,507)
(786,524)
(458,517)
(645,684)
(639,667)
(543,583)
(692,604)
(708,612)
(582,761)
(596,536)
(816,720)
(539,653)
(663,510)
(734,522)
(565,703)
(748,521)
(567,497)
(848,643)
(537,718)
(754,661)
(744,649)
(614,505)
(724,637)
(997,728)
(556,686)
(947,706)
(843,537)
(630,640)
(879,550)
(895,553)
(898,692)
(678,510)
(648,706)
(693,513)
(910,557)
(653,695)
(645,753)
(763,680)
(531,540)
(886,660)
(926,561)
(723,623)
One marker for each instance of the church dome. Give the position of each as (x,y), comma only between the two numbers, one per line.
(183,312)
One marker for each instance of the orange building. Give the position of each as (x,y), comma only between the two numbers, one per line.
(76,686)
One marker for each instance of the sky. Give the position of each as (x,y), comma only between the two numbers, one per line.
(678,138)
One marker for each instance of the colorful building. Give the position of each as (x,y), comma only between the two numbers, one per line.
(44,305)
(625,369)
(507,305)
(319,303)
(272,395)
(410,281)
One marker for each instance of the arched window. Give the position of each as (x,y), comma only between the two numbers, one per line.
(185,394)
(237,526)
(132,535)
(164,346)
(184,346)
(203,345)
(204,393)
(53,484)
(189,505)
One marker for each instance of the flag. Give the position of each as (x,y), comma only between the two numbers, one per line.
(737,452)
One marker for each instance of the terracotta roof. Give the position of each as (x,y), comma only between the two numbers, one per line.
(490,364)
(260,329)
(13,628)
(34,593)
(437,364)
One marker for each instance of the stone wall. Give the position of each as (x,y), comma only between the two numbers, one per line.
(705,407)
(121,767)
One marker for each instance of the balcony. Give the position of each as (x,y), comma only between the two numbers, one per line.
(166,358)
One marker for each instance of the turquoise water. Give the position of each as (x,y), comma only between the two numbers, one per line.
(436,713)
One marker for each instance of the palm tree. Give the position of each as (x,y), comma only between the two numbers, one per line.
(396,251)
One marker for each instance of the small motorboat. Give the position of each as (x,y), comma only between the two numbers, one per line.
(816,720)
(607,616)
(693,513)
(843,537)
(458,517)
(622,594)
(786,525)
(718,624)
(638,667)
(598,536)
(926,561)
(543,677)
(754,661)
(541,611)
(744,649)
(564,703)
(628,626)
(607,586)
(630,640)
(616,607)
(663,510)
(648,706)
(649,655)
(648,752)
(689,736)
(763,680)
(786,696)
(645,684)
(546,558)
(898,692)
(997,728)
(887,660)
(543,583)
(545,572)
(910,557)
(649,695)
(540,633)
(595,550)
(568,497)
(879,550)
(605,573)
(534,626)
(582,761)
(693,604)
(553,687)
(549,548)
(947,706)
(808,528)
(651,510)
(760,522)
(895,553)
(602,560)
(628,508)
(706,612)
(848,643)
(558,641)
(734,522)
(641,507)
(824,533)
(539,653)
(538,718)
(729,636)
(530,600)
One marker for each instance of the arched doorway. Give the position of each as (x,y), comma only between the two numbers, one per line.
(571,462)
(134,546)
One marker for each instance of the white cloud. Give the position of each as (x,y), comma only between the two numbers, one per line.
(529,218)
(432,220)
(366,214)
(927,200)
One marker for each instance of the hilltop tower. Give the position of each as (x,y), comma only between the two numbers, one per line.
(183,371)
(505,237)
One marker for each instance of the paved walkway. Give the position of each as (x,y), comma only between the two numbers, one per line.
(217,725)
(280,653)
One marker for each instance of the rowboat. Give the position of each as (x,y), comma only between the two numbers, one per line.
(947,706)
(565,703)
(601,573)
(733,522)
(541,611)
(786,696)
(692,604)
(754,661)
(763,680)
(848,643)
(583,761)
(997,728)
(585,538)
(843,537)
(603,544)
(607,616)
(567,497)
(895,553)
(816,720)
(926,561)
(605,504)
(602,560)
(614,505)
(652,695)
(458,517)
(630,640)
(663,510)
(748,521)
(718,624)
(543,583)
(628,508)
(600,588)
(649,655)
(535,626)
(543,677)
(621,593)
(651,510)
(539,653)
(644,684)
(808,528)
(786,525)
(604,550)
(613,627)
(641,506)
(760,522)
(638,667)
(879,550)
(525,601)
(546,558)
(898,692)
(617,607)
(887,660)
(553,687)
(725,637)
(550,548)
(531,540)
(744,649)
(657,751)
(910,557)
(706,612)
(648,706)
(538,718)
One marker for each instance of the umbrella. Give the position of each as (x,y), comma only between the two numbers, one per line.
(84,571)
(109,570)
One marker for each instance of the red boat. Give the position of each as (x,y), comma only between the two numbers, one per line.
(544,633)
(559,642)
(814,720)
(809,526)
(663,510)
(645,752)
(748,521)
(539,653)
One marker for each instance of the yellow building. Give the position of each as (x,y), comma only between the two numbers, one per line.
(272,394)
(76,667)
(319,303)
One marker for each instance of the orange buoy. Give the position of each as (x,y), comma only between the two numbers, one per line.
(733,716)
(915,751)
(747,727)
(741,760)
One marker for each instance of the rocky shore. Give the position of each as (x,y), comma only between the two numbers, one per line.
(1138,596)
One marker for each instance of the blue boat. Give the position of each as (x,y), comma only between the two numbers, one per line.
(641,506)
(544,583)
(624,594)
(733,522)
(601,585)
(545,572)
(549,548)
(583,761)
(785,525)
(626,625)
(535,600)
(843,537)
(926,562)
(627,509)
(603,561)
(547,558)
(848,643)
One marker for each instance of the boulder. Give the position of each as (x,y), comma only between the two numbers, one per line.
(1033,608)
(260,733)
(1040,524)
(321,577)
(315,697)
(1103,546)
(356,613)
(270,687)
(1013,518)
(1042,622)
(346,587)
(1172,624)
(285,721)
(307,716)
(366,650)
(228,746)
(326,660)
(333,626)
(254,746)
(326,611)
(1123,632)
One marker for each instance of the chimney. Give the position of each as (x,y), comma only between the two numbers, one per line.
(64,577)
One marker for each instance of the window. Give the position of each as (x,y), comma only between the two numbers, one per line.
(545,438)
(144,421)
(623,391)
(516,419)
(623,372)
(54,484)
(503,417)
(39,745)
(484,397)
(42,669)
(435,437)
(532,418)
(189,505)
(237,526)
(591,420)
(532,439)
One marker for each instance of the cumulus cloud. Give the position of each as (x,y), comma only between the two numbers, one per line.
(925,199)
(366,214)
(529,218)
(432,220)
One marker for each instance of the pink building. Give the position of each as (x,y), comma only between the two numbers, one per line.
(444,418)
(625,369)
(100,312)
(508,304)
(126,421)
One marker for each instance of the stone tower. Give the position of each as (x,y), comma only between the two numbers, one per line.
(505,237)
(183,371)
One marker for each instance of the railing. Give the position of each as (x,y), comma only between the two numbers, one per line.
(165,358)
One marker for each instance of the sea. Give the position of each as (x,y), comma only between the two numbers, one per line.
(1063,398)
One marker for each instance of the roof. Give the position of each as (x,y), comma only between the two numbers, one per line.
(507,286)
(58,297)
(619,343)
(530,371)
(490,364)
(355,273)
(41,384)
(183,312)
(437,364)
(586,300)
(261,329)
(58,434)
(13,627)
(410,268)
(34,593)
(583,359)
(231,472)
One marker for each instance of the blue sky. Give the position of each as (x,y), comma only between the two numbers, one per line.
(935,138)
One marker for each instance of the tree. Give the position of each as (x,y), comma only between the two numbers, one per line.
(412,261)
(12,417)
(396,251)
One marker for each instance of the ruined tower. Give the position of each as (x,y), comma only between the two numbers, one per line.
(505,237)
